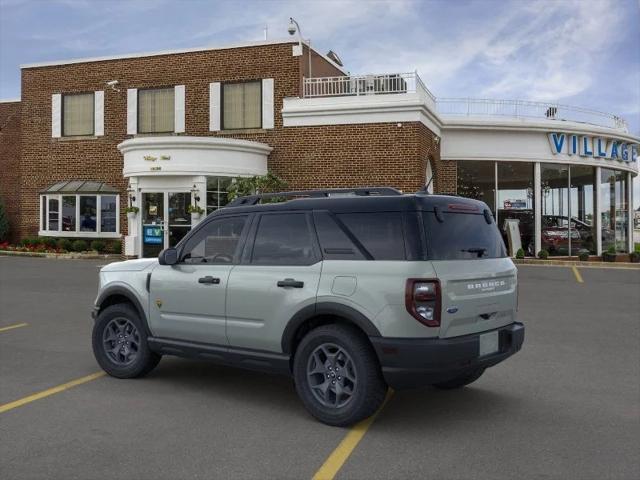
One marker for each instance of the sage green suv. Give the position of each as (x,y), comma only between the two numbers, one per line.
(348,291)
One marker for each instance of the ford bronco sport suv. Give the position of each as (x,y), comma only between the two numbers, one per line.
(347,291)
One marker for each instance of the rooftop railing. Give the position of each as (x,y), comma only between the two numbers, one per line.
(398,83)
(478,107)
(355,85)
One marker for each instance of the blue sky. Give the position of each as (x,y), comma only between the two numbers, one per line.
(578,52)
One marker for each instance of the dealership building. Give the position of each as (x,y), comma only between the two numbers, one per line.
(162,131)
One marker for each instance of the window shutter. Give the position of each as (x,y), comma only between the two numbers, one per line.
(56,115)
(267,103)
(214,106)
(132,111)
(98,112)
(179,100)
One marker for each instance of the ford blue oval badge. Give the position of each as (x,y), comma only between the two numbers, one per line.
(452,309)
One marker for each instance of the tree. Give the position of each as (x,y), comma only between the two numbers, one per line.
(243,186)
(4,223)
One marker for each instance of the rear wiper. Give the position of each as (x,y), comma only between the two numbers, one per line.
(480,251)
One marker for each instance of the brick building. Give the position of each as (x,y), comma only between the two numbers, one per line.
(166,130)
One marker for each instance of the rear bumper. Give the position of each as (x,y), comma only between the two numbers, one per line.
(416,362)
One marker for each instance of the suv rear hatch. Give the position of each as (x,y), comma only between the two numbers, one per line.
(478,282)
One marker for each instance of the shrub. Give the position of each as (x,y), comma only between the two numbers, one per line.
(4,223)
(583,255)
(611,250)
(520,253)
(48,242)
(65,244)
(79,246)
(98,246)
(543,254)
(114,247)
(269,183)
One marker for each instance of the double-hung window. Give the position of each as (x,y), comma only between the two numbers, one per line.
(78,114)
(156,110)
(241,105)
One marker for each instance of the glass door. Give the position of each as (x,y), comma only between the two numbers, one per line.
(153,215)
(179,219)
(165,220)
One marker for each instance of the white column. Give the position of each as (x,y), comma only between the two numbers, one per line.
(537,207)
(630,212)
(598,212)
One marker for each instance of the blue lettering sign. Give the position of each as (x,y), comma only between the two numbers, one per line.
(586,150)
(601,151)
(152,235)
(614,150)
(573,149)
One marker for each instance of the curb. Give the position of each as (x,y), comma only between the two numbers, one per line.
(62,256)
(576,263)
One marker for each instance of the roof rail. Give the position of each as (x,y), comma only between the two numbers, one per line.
(360,192)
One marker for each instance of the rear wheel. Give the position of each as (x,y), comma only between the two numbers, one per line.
(337,375)
(460,381)
(120,343)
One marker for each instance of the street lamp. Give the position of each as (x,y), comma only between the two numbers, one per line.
(293,28)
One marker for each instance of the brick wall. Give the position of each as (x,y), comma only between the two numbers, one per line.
(307,157)
(10,162)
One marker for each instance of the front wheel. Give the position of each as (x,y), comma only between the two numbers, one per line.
(337,375)
(120,343)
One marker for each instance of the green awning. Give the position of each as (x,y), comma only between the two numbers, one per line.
(80,186)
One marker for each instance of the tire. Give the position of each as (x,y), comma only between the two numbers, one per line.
(360,383)
(119,326)
(460,381)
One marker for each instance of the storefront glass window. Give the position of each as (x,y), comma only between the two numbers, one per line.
(477,180)
(614,210)
(217,192)
(582,209)
(69,213)
(108,213)
(515,202)
(88,213)
(54,215)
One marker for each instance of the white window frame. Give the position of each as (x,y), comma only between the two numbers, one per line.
(78,233)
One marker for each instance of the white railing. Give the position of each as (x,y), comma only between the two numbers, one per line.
(525,109)
(354,85)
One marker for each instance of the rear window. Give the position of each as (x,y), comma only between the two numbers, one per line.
(462,236)
(380,233)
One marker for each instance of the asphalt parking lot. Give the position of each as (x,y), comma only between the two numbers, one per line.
(567,406)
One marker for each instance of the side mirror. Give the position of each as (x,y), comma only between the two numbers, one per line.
(168,256)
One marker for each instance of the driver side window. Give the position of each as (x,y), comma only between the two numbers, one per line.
(217,242)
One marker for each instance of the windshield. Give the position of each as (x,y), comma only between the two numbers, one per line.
(462,236)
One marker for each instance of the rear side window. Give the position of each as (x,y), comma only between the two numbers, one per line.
(380,233)
(334,241)
(462,236)
(283,239)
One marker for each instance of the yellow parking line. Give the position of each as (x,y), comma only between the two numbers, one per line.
(577,274)
(11,327)
(51,391)
(334,463)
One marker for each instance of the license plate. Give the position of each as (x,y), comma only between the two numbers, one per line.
(489,343)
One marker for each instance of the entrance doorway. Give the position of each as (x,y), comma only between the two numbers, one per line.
(165,220)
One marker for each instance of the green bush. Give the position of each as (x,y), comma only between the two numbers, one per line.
(269,183)
(611,250)
(65,244)
(98,246)
(520,253)
(79,246)
(543,254)
(583,255)
(29,242)
(634,257)
(114,247)
(48,242)
(4,223)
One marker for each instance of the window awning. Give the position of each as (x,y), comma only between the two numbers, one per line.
(80,186)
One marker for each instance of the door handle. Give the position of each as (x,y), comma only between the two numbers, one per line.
(209,280)
(290,282)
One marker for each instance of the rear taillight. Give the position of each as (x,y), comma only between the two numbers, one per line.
(422,298)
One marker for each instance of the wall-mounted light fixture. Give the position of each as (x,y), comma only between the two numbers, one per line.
(132,197)
(195,193)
